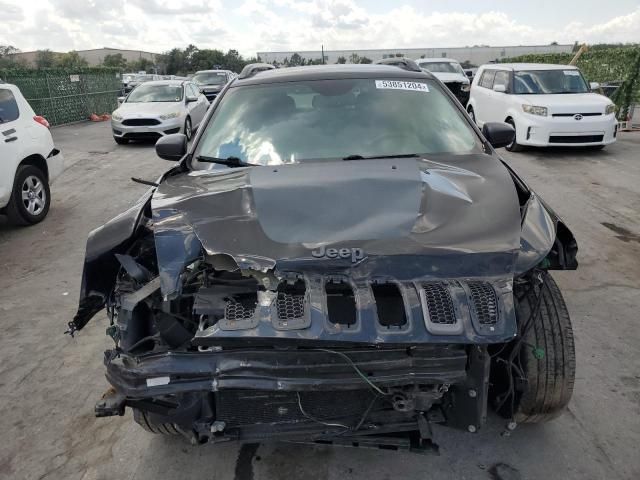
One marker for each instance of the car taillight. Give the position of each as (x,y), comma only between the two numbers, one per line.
(41,120)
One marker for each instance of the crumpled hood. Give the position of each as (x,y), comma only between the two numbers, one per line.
(412,218)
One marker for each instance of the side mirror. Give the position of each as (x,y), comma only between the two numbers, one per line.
(192,99)
(499,88)
(594,86)
(172,147)
(121,100)
(498,134)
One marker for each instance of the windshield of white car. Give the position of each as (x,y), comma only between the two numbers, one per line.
(210,78)
(540,82)
(294,122)
(143,78)
(155,93)
(442,67)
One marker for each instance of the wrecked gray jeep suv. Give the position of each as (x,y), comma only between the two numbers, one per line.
(339,257)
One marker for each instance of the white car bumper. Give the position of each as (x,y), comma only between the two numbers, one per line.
(55,165)
(142,128)
(565,131)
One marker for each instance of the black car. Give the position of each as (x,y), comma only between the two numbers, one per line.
(340,256)
(211,82)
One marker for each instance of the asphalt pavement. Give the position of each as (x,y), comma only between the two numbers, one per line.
(50,382)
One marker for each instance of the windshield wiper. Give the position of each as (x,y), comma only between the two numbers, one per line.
(229,161)
(360,157)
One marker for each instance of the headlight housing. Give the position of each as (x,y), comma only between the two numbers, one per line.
(167,116)
(534,110)
(465,87)
(116,116)
(611,108)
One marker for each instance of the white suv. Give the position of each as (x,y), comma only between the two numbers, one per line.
(548,105)
(29,160)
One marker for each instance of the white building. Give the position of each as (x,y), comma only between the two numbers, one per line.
(474,55)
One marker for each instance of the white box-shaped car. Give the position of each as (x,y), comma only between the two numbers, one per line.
(29,160)
(548,105)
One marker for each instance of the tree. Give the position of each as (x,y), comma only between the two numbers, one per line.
(365,60)
(6,56)
(295,60)
(71,60)
(115,60)
(45,59)
(341,60)
(142,64)
(354,58)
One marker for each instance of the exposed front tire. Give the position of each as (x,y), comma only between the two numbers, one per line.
(30,197)
(541,362)
(472,114)
(121,141)
(514,146)
(188,129)
(143,419)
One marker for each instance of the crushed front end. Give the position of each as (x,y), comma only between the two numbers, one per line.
(360,319)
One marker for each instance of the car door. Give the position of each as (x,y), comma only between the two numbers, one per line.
(199,106)
(483,96)
(11,137)
(498,100)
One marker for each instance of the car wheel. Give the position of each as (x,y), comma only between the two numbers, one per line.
(514,146)
(143,419)
(188,129)
(540,364)
(30,197)
(472,115)
(121,141)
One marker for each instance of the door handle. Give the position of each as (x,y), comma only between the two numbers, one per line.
(11,139)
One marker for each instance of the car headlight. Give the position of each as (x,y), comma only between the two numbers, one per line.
(167,116)
(533,110)
(611,108)
(116,116)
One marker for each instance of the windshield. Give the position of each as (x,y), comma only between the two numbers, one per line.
(549,81)
(210,78)
(442,67)
(327,119)
(155,93)
(143,78)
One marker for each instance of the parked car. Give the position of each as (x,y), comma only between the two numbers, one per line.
(127,78)
(29,161)
(340,256)
(449,72)
(159,108)
(139,79)
(211,82)
(548,105)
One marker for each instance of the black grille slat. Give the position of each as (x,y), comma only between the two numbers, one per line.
(592,114)
(439,303)
(140,122)
(485,302)
(290,306)
(575,138)
(237,311)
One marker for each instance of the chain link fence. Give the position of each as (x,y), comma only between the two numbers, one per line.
(67,96)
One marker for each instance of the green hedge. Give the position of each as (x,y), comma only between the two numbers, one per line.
(66,96)
(617,64)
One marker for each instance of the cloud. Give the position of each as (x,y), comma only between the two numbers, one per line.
(262,25)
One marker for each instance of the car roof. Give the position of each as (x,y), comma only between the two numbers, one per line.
(329,72)
(529,66)
(212,71)
(436,59)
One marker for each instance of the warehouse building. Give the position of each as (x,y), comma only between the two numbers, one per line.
(476,55)
(93,57)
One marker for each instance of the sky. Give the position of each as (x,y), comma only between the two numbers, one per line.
(251,26)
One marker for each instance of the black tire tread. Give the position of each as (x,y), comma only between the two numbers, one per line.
(142,418)
(551,378)
(13,210)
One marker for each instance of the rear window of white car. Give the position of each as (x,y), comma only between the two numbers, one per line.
(8,106)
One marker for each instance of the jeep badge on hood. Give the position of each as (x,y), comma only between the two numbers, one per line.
(356,254)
